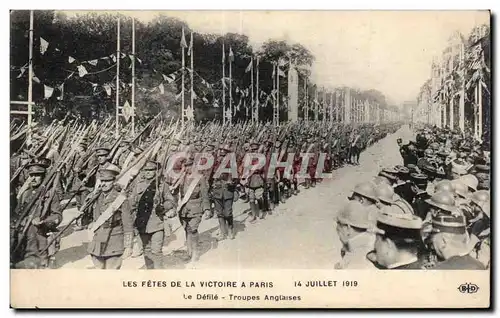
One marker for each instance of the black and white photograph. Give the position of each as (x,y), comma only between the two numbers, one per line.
(166,141)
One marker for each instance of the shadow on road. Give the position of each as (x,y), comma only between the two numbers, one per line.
(71,254)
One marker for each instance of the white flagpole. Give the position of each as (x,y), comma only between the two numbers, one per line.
(117,130)
(230,89)
(182,86)
(133,76)
(257,97)
(223,84)
(30,75)
(192,76)
(251,84)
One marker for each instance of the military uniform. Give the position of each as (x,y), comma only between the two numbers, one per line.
(192,205)
(149,215)
(223,193)
(33,252)
(255,184)
(114,236)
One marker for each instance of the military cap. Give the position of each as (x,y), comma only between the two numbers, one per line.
(357,215)
(225,147)
(393,222)
(412,167)
(443,200)
(102,151)
(175,142)
(36,169)
(389,176)
(151,165)
(137,150)
(443,153)
(482,168)
(428,152)
(107,174)
(44,162)
(446,223)
(381,180)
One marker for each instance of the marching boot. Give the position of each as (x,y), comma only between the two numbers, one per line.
(157,260)
(195,256)
(137,248)
(255,211)
(230,225)
(222,229)
(189,250)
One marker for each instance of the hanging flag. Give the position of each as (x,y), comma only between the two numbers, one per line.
(178,95)
(57,50)
(190,45)
(194,95)
(127,111)
(61,88)
(122,55)
(250,66)
(113,57)
(280,72)
(223,54)
(82,71)
(237,89)
(164,77)
(170,78)
(48,91)
(70,75)
(36,79)
(23,69)
(223,82)
(216,103)
(44,45)
(139,60)
(258,60)
(162,88)
(93,62)
(183,40)
(231,55)
(274,70)
(205,100)
(107,87)
(131,57)
(281,62)
(70,59)
(190,113)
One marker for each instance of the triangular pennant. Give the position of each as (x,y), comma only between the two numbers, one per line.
(36,79)
(44,45)
(162,88)
(107,87)
(231,55)
(164,77)
(47,91)
(139,60)
(178,95)
(190,50)
(216,103)
(93,62)
(23,69)
(57,50)
(170,78)
(249,67)
(205,100)
(183,40)
(131,57)
(61,88)
(70,75)
(82,71)
(70,59)
(113,57)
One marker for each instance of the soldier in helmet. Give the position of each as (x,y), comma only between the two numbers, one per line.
(419,187)
(398,243)
(450,241)
(223,193)
(112,241)
(470,181)
(194,201)
(482,173)
(32,240)
(353,222)
(151,203)
(364,193)
(255,183)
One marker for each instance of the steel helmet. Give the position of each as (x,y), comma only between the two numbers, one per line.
(470,181)
(428,152)
(357,215)
(480,197)
(385,193)
(460,188)
(443,200)
(381,180)
(434,146)
(366,189)
(444,185)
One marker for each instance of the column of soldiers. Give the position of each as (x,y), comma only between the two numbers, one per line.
(432,212)
(87,164)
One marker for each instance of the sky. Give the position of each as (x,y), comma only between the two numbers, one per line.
(391,51)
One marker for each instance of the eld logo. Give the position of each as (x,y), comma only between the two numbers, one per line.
(468,288)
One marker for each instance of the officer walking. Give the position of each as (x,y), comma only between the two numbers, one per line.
(152,201)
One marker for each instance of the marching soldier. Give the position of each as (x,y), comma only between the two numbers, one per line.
(152,201)
(255,184)
(38,228)
(353,222)
(112,241)
(223,193)
(194,201)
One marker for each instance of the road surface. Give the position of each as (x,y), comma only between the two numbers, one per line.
(300,234)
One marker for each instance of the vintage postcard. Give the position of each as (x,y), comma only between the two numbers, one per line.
(250,159)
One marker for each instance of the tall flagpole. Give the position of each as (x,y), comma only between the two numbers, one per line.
(257,95)
(30,75)
(253,99)
(277,94)
(117,130)
(191,47)
(133,76)
(182,87)
(223,83)
(306,104)
(331,107)
(231,87)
